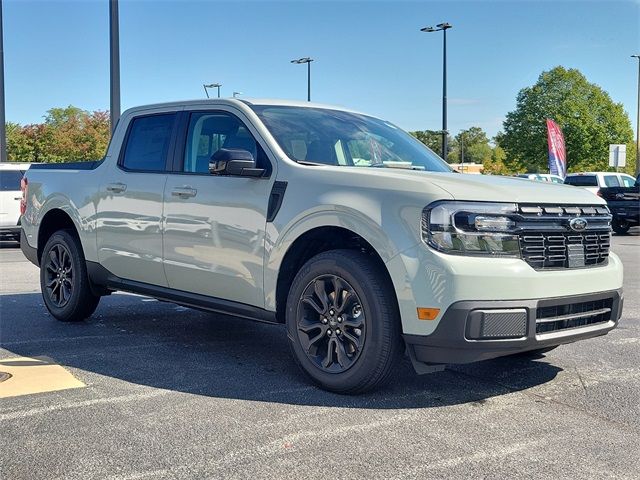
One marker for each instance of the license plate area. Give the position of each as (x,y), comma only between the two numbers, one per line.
(575,253)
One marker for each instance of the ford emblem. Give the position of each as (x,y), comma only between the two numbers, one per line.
(578,224)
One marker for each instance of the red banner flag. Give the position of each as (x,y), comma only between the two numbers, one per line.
(557,153)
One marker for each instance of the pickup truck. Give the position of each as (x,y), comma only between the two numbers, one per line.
(624,203)
(339,225)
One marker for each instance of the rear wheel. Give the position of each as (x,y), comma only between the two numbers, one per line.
(343,322)
(63,279)
(621,227)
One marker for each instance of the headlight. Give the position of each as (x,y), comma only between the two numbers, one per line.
(470,228)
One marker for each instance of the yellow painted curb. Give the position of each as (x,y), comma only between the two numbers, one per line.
(34,375)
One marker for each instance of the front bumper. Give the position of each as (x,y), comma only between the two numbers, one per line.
(456,338)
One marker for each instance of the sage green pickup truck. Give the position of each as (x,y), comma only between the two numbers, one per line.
(339,225)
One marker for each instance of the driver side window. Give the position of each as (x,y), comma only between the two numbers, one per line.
(208,132)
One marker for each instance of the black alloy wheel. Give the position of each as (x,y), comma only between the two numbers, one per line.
(331,323)
(59,275)
(66,288)
(343,321)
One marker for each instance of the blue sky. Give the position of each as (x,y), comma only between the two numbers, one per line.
(370,55)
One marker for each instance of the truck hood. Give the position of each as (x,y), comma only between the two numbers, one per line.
(489,188)
(510,189)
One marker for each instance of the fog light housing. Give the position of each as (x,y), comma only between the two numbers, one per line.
(497,324)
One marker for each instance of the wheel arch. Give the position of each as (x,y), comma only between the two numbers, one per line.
(54,220)
(312,242)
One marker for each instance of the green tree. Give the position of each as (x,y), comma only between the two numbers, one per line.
(431,138)
(495,163)
(589,118)
(472,144)
(67,134)
(19,146)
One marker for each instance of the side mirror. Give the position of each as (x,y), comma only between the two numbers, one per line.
(234,161)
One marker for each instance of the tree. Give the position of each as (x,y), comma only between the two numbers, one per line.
(431,138)
(19,147)
(495,164)
(589,118)
(473,144)
(67,134)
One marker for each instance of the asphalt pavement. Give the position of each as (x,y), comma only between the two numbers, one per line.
(176,393)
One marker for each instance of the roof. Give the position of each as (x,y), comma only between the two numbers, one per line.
(241,103)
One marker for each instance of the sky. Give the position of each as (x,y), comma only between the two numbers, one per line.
(368,55)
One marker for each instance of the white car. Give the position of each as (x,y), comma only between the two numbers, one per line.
(10,196)
(542,177)
(594,181)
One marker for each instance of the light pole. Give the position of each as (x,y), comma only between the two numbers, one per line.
(235,94)
(308,61)
(443,27)
(212,85)
(3,131)
(114,50)
(461,152)
(638,121)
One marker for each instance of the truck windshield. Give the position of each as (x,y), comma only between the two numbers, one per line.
(334,137)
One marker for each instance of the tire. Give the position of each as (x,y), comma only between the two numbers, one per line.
(621,227)
(350,344)
(63,279)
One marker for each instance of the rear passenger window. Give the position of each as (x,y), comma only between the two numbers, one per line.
(148,143)
(611,181)
(10,180)
(582,181)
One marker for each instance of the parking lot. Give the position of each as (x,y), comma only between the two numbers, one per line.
(173,393)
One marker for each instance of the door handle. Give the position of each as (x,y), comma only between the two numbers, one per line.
(116,187)
(184,192)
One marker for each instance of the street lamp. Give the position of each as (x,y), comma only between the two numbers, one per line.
(308,61)
(442,27)
(3,131)
(638,121)
(235,94)
(212,85)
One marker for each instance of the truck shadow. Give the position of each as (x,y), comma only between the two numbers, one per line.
(145,342)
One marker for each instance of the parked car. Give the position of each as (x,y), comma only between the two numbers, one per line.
(10,196)
(594,181)
(258,209)
(624,203)
(542,177)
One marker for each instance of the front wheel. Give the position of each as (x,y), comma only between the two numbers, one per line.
(621,227)
(343,322)
(63,279)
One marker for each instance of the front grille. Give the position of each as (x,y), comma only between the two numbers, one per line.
(575,315)
(565,250)
(547,240)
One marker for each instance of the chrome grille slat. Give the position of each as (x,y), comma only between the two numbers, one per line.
(573,315)
(546,240)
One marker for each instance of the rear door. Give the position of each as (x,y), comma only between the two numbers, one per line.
(129,226)
(10,197)
(215,225)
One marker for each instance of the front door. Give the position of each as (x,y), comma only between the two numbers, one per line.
(215,225)
(129,211)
